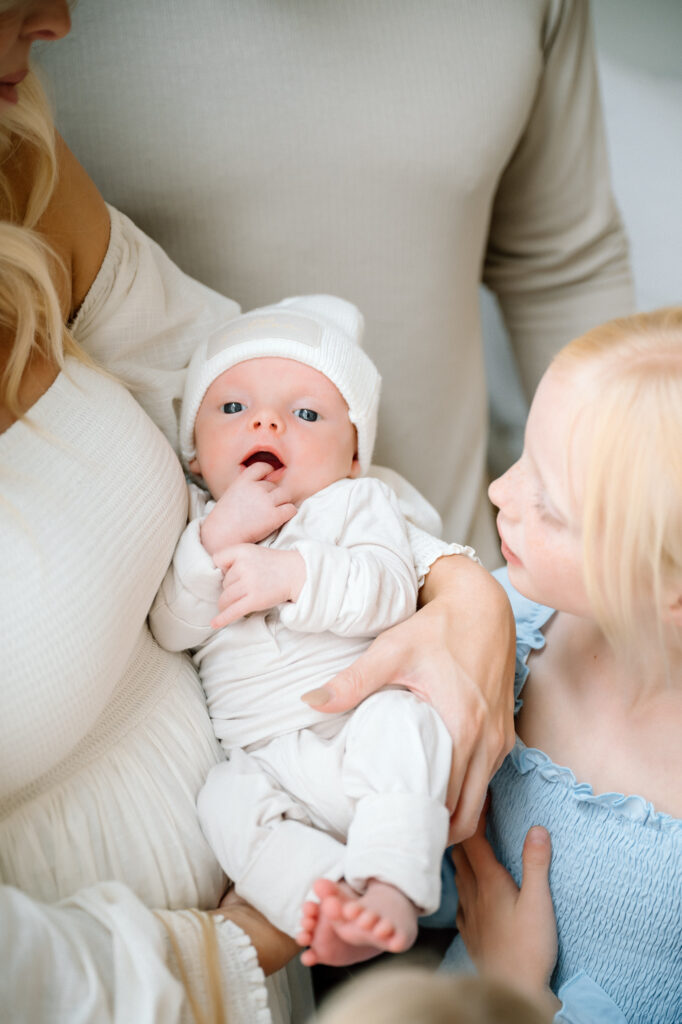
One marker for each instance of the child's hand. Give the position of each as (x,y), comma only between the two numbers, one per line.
(508,932)
(249,510)
(256,579)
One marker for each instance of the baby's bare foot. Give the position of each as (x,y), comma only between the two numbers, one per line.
(345,928)
(382,916)
(318,933)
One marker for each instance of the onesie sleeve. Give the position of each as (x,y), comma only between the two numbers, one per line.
(104,952)
(557,256)
(362,580)
(424,525)
(143,318)
(585,1002)
(187,600)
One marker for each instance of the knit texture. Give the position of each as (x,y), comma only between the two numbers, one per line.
(322,331)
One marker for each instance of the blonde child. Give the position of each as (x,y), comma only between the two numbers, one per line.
(590,519)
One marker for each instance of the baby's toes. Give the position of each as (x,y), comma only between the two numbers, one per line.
(325,887)
(367,919)
(308,958)
(384,928)
(333,908)
(398,943)
(351,910)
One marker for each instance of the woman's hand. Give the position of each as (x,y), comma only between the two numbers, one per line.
(508,932)
(456,653)
(274,948)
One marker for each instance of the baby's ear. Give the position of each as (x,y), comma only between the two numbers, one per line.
(355,468)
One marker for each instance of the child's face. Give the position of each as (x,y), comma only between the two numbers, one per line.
(276,411)
(540,502)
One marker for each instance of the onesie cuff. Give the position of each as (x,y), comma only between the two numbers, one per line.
(427,549)
(195,568)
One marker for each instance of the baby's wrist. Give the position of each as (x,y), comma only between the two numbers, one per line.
(213,535)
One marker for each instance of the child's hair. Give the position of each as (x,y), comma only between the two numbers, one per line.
(632,509)
(30,312)
(417,995)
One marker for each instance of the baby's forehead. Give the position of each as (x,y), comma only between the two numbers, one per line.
(280,374)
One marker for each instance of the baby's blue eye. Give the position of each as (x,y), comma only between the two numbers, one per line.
(306,414)
(232,407)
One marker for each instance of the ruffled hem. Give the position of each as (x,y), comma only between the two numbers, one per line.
(241,964)
(635,808)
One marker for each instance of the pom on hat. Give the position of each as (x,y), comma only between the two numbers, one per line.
(321,331)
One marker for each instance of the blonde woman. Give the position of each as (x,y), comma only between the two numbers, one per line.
(108,884)
(591,526)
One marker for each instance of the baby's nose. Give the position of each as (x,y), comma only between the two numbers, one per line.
(267,419)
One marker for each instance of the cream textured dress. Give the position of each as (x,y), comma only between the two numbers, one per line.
(104,738)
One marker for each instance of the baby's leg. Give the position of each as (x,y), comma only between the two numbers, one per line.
(263,839)
(395,772)
(346,927)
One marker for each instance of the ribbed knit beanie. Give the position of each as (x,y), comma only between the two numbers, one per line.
(321,331)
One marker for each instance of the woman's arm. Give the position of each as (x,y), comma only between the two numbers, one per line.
(274,948)
(457,653)
(104,952)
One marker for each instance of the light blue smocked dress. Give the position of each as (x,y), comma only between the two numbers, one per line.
(616,875)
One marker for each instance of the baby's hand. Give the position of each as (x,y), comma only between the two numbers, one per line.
(256,579)
(249,510)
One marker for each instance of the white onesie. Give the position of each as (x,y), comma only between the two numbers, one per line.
(355,796)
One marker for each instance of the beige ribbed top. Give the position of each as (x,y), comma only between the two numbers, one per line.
(392,152)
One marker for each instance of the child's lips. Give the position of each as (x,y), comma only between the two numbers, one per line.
(507,552)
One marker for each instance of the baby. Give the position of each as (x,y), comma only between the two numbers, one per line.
(287,570)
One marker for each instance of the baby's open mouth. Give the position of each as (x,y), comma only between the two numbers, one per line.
(268,457)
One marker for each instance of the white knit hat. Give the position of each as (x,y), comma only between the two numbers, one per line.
(321,331)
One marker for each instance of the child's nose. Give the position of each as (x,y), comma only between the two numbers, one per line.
(501,489)
(267,419)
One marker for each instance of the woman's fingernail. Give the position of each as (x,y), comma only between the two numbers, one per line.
(317,698)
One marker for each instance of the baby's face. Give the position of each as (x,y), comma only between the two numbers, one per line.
(280,412)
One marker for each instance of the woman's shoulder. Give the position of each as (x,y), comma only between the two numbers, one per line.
(75,222)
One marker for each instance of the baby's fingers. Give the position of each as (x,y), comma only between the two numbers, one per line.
(283,513)
(233,611)
(257,471)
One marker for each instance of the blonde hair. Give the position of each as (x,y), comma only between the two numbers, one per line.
(30,311)
(417,995)
(632,507)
